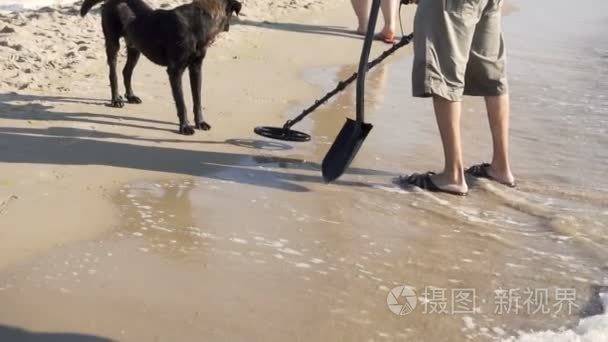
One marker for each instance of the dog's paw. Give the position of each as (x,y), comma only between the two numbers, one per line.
(186,130)
(117,103)
(133,99)
(203,126)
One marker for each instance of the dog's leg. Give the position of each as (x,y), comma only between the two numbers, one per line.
(196,81)
(127,73)
(175,77)
(112,47)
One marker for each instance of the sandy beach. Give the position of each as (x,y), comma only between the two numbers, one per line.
(115,228)
(58,91)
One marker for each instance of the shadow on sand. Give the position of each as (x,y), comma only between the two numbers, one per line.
(77,146)
(19,335)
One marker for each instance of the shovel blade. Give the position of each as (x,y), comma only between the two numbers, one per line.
(344,149)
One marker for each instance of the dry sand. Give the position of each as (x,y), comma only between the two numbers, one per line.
(44,49)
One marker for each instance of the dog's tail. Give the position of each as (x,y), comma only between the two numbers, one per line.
(87,5)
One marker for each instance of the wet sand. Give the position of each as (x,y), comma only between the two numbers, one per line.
(63,143)
(238,238)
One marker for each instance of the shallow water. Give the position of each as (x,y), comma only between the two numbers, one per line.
(263,250)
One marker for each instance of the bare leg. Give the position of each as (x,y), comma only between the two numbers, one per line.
(498,116)
(389,12)
(448,121)
(362,9)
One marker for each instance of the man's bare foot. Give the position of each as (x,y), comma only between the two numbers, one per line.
(435,183)
(386,36)
(501,175)
(448,183)
(486,170)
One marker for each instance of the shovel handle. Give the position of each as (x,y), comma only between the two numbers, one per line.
(367,46)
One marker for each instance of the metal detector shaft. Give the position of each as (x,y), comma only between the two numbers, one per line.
(405,40)
(367,46)
(353,133)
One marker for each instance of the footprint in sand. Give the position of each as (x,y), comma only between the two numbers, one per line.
(46,9)
(16,47)
(7,29)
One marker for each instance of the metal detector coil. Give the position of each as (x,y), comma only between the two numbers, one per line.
(282,133)
(287,134)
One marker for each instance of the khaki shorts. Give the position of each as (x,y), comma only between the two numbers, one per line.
(458,49)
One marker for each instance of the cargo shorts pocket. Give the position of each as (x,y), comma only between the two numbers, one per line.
(461,8)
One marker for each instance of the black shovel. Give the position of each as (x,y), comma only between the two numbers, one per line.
(350,138)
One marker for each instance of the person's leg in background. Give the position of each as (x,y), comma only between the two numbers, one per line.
(389,12)
(362,9)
